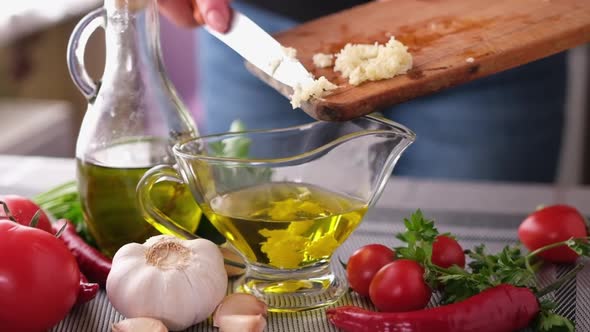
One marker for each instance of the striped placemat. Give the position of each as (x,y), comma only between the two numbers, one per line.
(380,225)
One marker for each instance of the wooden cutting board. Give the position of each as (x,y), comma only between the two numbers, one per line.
(441,35)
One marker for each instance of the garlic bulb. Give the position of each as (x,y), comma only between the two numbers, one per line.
(179,282)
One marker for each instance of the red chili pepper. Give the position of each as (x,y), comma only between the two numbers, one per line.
(87,291)
(92,263)
(503,308)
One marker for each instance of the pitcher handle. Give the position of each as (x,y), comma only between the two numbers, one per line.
(150,212)
(155,216)
(76,49)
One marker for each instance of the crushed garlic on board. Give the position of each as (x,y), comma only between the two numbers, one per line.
(358,63)
(316,89)
(290,52)
(366,62)
(322,60)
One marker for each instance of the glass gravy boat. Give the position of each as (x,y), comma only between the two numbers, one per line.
(285,199)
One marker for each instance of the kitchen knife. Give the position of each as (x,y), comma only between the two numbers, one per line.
(261,50)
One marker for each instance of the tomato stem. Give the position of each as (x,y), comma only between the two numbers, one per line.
(532,254)
(559,282)
(7,211)
(61,230)
(35,219)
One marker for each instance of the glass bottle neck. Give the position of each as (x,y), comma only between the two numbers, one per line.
(132,38)
(134,60)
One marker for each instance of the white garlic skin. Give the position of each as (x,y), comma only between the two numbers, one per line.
(180,286)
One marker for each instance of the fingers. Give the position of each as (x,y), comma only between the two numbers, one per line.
(214,13)
(191,13)
(178,11)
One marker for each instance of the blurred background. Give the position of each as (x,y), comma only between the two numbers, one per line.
(41,109)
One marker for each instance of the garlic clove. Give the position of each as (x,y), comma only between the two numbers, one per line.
(240,312)
(140,324)
(242,323)
(230,254)
(239,304)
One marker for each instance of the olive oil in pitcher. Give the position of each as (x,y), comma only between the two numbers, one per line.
(134,117)
(285,225)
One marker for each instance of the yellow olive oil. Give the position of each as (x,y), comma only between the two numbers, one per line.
(107,180)
(285,225)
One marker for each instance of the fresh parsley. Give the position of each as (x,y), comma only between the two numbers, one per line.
(419,236)
(547,321)
(485,270)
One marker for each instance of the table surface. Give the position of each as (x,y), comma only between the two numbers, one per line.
(477,212)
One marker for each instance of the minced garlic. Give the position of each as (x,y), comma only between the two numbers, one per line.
(322,60)
(290,52)
(316,89)
(366,62)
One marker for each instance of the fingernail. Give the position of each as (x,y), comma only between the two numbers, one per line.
(216,20)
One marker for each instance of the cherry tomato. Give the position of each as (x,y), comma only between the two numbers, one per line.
(550,225)
(364,263)
(39,279)
(399,286)
(23,210)
(446,252)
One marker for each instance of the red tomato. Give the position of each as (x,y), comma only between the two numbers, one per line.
(399,286)
(23,210)
(550,225)
(39,279)
(364,263)
(446,252)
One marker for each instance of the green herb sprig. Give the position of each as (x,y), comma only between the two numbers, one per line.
(485,270)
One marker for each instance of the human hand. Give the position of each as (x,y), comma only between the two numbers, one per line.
(190,13)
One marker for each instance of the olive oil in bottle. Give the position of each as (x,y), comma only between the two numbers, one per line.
(109,198)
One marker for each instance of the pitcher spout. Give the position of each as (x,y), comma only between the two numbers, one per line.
(395,139)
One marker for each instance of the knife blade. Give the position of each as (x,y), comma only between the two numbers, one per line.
(263,51)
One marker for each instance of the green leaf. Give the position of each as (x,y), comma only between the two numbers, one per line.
(547,304)
(232,147)
(419,235)
(216,148)
(550,322)
(237,126)
(505,267)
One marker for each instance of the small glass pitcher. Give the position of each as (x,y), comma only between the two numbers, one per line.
(286,199)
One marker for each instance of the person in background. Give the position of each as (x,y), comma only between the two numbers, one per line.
(506,127)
